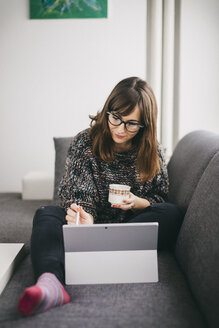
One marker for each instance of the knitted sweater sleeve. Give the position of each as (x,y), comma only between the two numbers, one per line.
(160,183)
(77,185)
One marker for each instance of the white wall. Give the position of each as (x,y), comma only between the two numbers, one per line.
(53,73)
(199,66)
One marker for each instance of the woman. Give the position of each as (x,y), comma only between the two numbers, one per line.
(120,147)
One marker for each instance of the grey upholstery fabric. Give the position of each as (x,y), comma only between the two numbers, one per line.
(167,304)
(16,217)
(61,149)
(190,158)
(197,248)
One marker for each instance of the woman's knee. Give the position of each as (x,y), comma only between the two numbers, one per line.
(50,213)
(171,211)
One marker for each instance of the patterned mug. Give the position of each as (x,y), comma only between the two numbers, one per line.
(118,193)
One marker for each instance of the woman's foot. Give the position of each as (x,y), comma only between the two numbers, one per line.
(47,293)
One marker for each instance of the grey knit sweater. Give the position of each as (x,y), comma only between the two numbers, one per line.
(87,178)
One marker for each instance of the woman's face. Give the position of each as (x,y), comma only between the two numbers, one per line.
(121,137)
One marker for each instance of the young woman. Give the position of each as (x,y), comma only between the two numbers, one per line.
(120,147)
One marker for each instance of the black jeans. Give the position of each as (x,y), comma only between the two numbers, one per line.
(47,247)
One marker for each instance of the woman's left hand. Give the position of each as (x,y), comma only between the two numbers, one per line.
(133,203)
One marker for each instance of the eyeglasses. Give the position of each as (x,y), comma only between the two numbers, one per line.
(131,126)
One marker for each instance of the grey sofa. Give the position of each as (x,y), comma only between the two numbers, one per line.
(187,294)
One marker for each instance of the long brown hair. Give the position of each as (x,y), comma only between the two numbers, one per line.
(123,99)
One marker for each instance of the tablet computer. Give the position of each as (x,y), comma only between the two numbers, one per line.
(111,253)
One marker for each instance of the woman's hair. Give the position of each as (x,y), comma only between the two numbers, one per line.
(123,99)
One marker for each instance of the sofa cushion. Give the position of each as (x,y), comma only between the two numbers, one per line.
(165,304)
(197,248)
(187,164)
(16,217)
(61,149)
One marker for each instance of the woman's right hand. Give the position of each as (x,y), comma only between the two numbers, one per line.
(84,218)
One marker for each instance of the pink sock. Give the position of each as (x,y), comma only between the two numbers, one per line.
(47,293)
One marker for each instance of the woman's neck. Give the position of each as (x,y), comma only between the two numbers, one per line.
(120,148)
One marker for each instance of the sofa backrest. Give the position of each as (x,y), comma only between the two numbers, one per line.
(187,164)
(61,149)
(197,247)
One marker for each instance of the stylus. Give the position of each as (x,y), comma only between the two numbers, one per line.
(77,217)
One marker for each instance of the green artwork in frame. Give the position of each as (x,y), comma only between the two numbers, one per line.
(53,9)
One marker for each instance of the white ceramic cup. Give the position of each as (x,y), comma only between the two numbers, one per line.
(118,193)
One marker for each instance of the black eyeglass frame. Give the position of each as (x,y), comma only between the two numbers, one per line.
(138,124)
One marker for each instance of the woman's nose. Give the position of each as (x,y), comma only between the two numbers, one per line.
(121,127)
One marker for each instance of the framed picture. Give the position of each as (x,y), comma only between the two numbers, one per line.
(55,9)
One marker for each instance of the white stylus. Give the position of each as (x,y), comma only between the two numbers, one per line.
(77,217)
